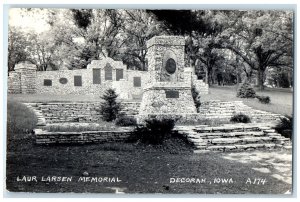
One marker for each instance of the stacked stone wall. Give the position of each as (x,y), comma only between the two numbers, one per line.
(45,137)
(78,112)
(58,88)
(23,80)
(14,83)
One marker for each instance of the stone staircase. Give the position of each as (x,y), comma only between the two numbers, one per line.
(233,137)
(224,110)
(41,121)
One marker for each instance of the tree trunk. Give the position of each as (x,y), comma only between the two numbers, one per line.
(260,78)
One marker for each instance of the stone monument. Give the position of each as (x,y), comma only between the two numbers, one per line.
(167,94)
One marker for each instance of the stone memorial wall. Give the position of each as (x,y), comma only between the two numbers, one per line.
(165,60)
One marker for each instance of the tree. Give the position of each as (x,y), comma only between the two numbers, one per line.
(17,47)
(210,57)
(262,39)
(87,34)
(139,27)
(43,51)
(110,108)
(201,29)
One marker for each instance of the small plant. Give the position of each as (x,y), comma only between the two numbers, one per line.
(246,91)
(196,97)
(154,132)
(240,118)
(110,108)
(126,121)
(285,126)
(264,99)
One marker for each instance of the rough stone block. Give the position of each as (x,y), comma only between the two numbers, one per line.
(225,140)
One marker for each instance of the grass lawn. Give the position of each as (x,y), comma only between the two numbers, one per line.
(141,169)
(281,100)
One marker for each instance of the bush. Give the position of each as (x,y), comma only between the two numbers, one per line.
(20,119)
(154,132)
(264,99)
(240,118)
(126,121)
(110,108)
(246,91)
(285,126)
(196,97)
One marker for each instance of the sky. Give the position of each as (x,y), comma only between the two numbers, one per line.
(35,20)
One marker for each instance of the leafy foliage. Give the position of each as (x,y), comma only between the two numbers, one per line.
(285,126)
(264,99)
(224,44)
(154,132)
(82,17)
(196,98)
(246,91)
(110,108)
(17,47)
(240,118)
(186,21)
(139,28)
(126,121)
(262,39)
(19,118)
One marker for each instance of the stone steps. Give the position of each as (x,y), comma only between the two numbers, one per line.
(234,137)
(225,110)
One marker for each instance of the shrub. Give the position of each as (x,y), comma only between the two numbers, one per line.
(20,119)
(285,126)
(154,132)
(196,97)
(126,121)
(240,118)
(110,108)
(246,91)
(264,99)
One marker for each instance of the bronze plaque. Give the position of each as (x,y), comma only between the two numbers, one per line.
(47,82)
(170,66)
(77,81)
(119,74)
(63,80)
(172,94)
(137,81)
(96,76)
(108,72)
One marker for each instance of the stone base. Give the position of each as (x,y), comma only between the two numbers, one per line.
(167,98)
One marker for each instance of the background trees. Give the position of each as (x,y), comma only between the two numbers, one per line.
(230,46)
(17,47)
(262,39)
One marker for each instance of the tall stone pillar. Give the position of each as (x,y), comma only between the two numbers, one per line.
(28,77)
(167,94)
